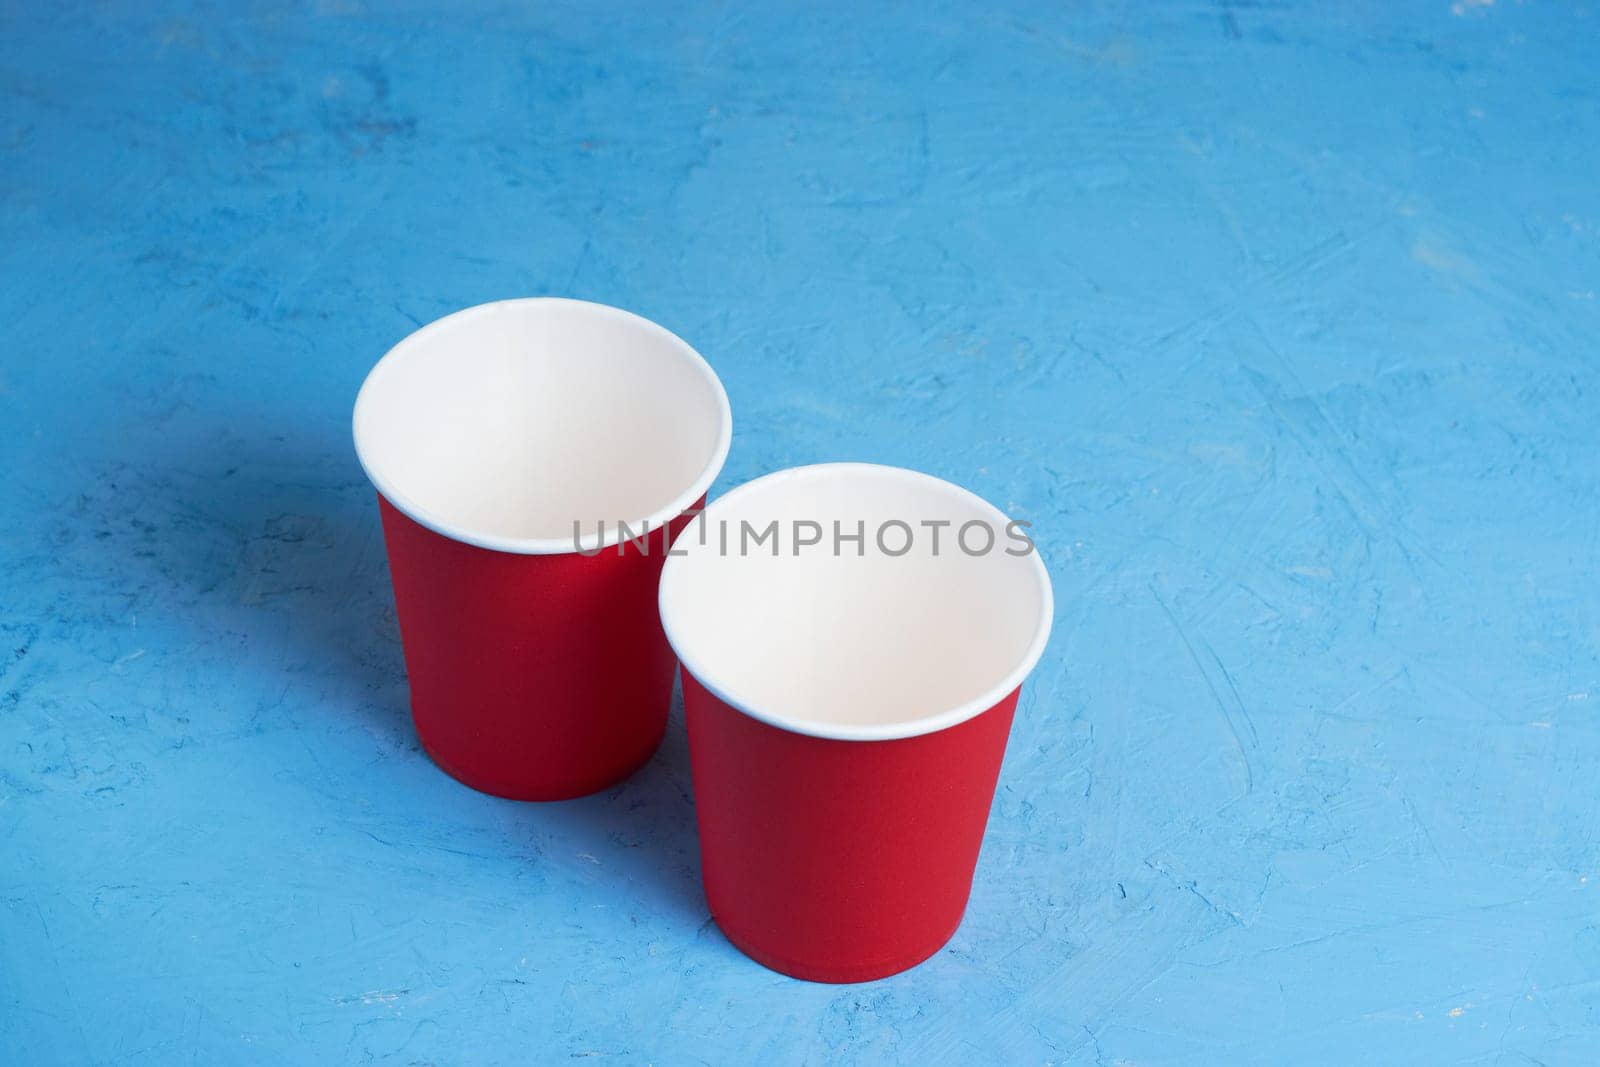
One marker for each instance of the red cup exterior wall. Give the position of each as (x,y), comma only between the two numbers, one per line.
(839,861)
(533,677)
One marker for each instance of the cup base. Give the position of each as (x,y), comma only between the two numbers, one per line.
(543,794)
(836,974)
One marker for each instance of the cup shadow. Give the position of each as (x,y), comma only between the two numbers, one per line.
(640,832)
(270,545)
(270,542)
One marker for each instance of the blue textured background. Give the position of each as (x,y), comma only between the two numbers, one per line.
(1279,321)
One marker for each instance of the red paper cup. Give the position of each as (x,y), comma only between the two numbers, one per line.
(532,460)
(848,704)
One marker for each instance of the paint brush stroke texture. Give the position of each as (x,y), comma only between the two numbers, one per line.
(1278,321)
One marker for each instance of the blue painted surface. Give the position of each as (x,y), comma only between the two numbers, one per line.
(1278,321)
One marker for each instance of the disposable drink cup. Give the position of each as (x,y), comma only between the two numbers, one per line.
(532,459)
(853,641)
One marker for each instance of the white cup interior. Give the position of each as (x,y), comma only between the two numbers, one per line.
(846,645)
(505,424)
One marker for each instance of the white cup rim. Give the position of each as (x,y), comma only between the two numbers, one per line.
(588,542)
(927,724)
